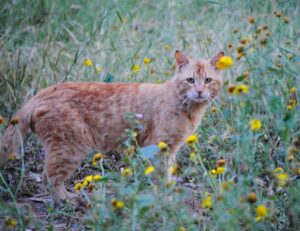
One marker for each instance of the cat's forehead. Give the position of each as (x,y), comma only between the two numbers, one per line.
(200,68)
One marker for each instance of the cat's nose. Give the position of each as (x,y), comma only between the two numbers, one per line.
(199,89)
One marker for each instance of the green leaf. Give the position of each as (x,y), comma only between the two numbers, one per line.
(149,152)
(109,78)
(240,78)
(144,201)
(44,83)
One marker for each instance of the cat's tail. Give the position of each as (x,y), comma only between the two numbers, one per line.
(16,132)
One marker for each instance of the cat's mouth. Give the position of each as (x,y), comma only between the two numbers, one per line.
(200,99)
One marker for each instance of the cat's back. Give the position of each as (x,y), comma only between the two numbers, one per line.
(81,90)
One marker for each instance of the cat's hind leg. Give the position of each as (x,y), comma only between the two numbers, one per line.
(60,162)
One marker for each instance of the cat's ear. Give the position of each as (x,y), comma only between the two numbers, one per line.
(216,58)
(181,59)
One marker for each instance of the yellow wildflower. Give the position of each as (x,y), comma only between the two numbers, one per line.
(97,156)
(77,187)
(162,146)
(224,62)
(213,109)
(99,70)
(150,169)
(146,60)
(127,172)
(286,20)
(167,47)
(88,62)
(255,124)
(117,204)
(130,150)
(174,169)
(242,88)
(135,69)
(261,212)
(88,178)
(10,222)
(84,183)
(207,202)
(213,172)
(251,197)
(225,185)
(97,178)
(278,170)
(220,170)
(1,120)
(191,139)
(94,163)
(251,20)
(194,157)
(282,179)
(221,162)
(12,156)
(181,228)
(231,89)
(292,104)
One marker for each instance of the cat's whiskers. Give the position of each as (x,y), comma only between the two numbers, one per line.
(184,102)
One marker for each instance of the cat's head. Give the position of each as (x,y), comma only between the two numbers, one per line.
(197,81)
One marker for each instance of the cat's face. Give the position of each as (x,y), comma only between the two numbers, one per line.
(197,81)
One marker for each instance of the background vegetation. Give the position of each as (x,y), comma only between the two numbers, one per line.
(45,42)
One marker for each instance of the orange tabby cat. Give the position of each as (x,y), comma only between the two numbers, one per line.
(71,119)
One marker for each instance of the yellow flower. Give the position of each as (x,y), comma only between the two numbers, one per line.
(146,60)
(99,70)
(194,157)
(127,172)
(220,170)
(261,212)
(97,178)
(282,179)
(213,109)
(181,228)
(77,187)
(231,89)
(221,162)
(88,178)
(213,172)
(251,20)
(97,156)
(255,124)
(12,156)
(135,69)
(207,202)
(278,170)
(251,197)
(224,62)
(84,183)
(94,163)
(162,146)
(174,169)
(1,120)
(117,204)
(10,222)
(167,47)
(191,139)
(149,170)
(242,88)
(88,62)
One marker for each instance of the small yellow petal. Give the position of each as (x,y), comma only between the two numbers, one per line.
(150,169)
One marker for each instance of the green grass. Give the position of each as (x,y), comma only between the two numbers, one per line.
(45,42)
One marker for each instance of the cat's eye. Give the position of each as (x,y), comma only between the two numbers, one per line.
(190,80)
(208,80)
